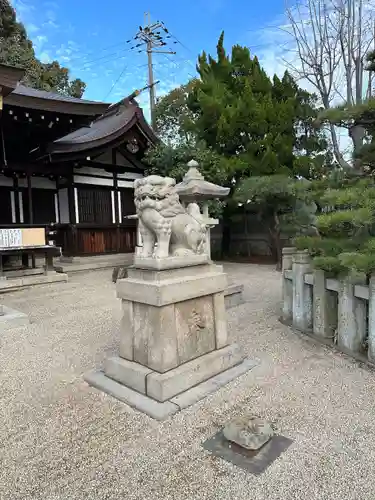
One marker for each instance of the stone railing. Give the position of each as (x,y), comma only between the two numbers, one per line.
(341,312)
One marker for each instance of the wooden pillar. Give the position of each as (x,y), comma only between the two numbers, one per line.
(31,214)
(16,191)
(30,198)
(2,140)
(115,187)
(57,201)
(71,201)
(71,239)
(116,203)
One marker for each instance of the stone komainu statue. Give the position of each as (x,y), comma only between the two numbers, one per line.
(163,220)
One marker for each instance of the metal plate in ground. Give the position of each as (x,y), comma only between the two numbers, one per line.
(255,462)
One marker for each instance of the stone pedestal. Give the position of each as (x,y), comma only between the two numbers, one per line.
(352,316)
(174,347)
(324,307)
(302,293)
(371,320)
(287,284)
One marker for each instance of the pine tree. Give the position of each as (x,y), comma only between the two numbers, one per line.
(283,196)
(346,242)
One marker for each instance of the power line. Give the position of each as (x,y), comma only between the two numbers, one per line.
(115,83)
(119,78)
(87,63)
(112,59)
(104,49)
(136,46)
(177,65)
(177,40)
(183,46)
(77,57)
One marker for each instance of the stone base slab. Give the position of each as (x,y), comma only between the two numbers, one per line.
(161,411)
(169,291)
(20,273)
(128,373)
(164,386)
(170,262)
(11,318)
(233,295)
(12,284)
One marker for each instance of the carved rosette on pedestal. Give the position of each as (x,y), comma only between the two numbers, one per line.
(174,347)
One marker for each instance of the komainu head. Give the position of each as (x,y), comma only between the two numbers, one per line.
(158,193)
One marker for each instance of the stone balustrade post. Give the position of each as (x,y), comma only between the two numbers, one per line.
(371,319)
(324,307)
(302,293)
(287,284)
(351,327)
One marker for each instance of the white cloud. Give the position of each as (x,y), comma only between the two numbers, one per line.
(45,57)
(50,24)
(23,7)
(31,28)
(41,39)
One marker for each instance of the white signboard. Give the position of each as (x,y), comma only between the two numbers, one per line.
(10,238)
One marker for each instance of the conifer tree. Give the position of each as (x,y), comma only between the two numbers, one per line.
(249,131)
(346,242)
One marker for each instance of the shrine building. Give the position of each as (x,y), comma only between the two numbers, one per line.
(68,165)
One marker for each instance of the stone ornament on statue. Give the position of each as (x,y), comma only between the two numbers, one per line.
(167,228)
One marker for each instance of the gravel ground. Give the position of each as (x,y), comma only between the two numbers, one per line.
(62,440)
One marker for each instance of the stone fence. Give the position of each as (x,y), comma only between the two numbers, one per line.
(337,311)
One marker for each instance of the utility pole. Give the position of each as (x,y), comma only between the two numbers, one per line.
(150,34)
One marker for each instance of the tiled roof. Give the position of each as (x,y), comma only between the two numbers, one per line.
(54,96)
(109,127)
(103,127)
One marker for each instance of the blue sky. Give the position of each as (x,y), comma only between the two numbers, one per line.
(91,40)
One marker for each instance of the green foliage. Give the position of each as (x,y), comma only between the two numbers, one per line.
(172,161)
(284,203)
(249,124)
(265,190)
(240,111)
(346,241)
(174,119)
(345,222)
(370,58)
(248,132)
(17,50)
(347,199)
(331,265)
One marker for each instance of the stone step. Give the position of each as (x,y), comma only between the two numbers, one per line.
(92,258)
(13,284)
(233,295)
(80,264)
